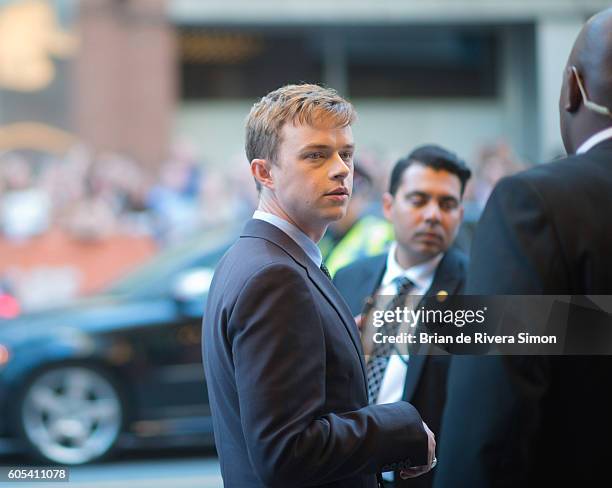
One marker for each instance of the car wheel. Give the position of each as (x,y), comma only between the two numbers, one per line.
(71,414)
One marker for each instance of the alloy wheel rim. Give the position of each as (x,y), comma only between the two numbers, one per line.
(71,414)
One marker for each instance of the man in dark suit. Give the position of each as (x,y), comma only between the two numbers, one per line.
(543,421)
(424,205)
(282,356)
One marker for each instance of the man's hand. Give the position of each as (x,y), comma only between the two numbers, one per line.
(431,458)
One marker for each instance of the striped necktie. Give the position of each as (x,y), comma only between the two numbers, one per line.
(379,359)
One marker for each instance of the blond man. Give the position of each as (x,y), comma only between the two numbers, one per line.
(282,354)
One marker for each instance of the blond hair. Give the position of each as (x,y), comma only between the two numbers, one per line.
(299,104)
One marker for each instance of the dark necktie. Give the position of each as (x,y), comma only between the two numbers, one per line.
(325,270)
(379,359)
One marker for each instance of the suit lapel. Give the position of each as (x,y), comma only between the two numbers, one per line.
(271,233)
(329,291)
(369,280)
(448,278)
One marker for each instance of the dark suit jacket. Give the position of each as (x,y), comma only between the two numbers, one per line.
(536,421)
(425,384)
(286,379)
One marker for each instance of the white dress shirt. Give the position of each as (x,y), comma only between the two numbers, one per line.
(392,387)
(595,139)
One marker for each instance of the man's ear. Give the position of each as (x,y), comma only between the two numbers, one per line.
(261,171)
(570,92)
(387,204)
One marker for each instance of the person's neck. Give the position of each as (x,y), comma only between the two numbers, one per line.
(273,207)
(407,260)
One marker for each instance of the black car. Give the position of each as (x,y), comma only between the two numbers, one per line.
(119,369)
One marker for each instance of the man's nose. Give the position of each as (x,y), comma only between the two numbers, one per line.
(432,212)
(340,169)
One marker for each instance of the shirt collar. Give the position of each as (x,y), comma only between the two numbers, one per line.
(421,274)
(594,140)
(302,240)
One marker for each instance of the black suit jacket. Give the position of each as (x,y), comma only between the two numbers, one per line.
(536,421)
(425,385)
(286,379)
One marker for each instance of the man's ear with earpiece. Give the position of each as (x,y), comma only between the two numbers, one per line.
(571,93)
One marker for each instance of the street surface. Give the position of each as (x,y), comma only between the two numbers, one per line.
(142,469)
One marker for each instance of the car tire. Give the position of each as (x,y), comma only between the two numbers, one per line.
(70,414)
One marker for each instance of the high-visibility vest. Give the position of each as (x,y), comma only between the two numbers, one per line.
(369,236)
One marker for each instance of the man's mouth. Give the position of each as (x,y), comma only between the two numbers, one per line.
(429,235)
(338,191)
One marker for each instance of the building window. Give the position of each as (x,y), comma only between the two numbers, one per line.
(374,62)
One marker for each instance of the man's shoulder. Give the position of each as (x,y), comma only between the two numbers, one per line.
(555,184)
(451,273)
(257,269)
(249,256)
(456,259)
(556,174)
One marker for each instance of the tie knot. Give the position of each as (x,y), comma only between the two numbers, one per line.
(403,284)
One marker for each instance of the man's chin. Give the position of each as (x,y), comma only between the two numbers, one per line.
(428,249)
(335,214)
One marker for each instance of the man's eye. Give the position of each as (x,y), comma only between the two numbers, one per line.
(417,200)
(315,155)
(346,156)
(448,205)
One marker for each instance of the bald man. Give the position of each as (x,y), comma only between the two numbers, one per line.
(543,421)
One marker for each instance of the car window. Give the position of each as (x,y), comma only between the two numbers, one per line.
(157,276)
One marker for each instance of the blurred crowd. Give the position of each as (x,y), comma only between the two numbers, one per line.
(493,162)
(71,225)
(110,207)
(93,197)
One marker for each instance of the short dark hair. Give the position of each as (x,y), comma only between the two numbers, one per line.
(432,156)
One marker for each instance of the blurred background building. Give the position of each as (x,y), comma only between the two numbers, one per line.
(121,121)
